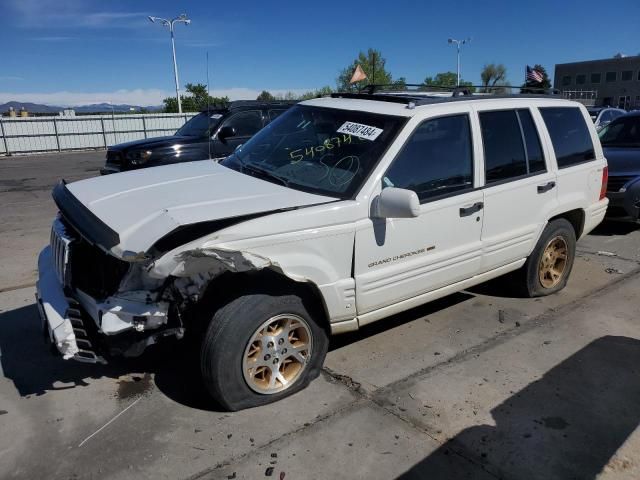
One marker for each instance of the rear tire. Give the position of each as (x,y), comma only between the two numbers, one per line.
(261,348)
(547,269)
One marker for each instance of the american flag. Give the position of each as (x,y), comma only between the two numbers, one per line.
(534,75)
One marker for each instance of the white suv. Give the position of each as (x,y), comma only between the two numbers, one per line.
(341,212)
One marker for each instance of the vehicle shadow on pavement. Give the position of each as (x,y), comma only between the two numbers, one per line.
(339,341)
(568,424)
(615,227)
(27,361)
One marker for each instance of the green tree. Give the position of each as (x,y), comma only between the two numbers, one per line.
(400,84)
(534,87)
(265,96)
(196,99)
(372,63)
(445,79)
(493,77)
(321,92)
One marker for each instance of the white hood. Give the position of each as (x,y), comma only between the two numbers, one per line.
(144,205)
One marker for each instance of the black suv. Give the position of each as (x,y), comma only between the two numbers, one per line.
(214,133)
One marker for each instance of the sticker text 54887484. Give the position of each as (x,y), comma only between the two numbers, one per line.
(360,130)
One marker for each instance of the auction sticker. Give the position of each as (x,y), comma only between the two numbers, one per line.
(359,130)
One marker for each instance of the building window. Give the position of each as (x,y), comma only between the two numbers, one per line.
(624,102)
(627,75)
(595,77)
(581,79)
(566,80)
(611,77)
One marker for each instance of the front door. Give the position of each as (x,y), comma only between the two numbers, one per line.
(398,259)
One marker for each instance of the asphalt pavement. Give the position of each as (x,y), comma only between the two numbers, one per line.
(480,384)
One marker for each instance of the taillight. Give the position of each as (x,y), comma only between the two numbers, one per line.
(605,179)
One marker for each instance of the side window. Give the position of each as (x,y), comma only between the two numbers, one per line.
(273,114)
(569,135)
(606,116)
(511,145)
(246,124)
(615,114)
(504,156)
(436,160)
(535,158)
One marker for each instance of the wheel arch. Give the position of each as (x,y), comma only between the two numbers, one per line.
(575,217)
(232,285)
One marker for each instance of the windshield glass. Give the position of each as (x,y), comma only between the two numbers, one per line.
(623,132)
(200,125)
(319,150)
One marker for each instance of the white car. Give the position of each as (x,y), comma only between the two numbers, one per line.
(341,212)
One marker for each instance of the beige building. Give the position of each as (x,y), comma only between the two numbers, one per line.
(611,81)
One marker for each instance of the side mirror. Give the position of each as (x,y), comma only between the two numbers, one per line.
(226,132)
(397,203)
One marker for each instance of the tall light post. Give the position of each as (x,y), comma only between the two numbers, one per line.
(459,43)
(182,18)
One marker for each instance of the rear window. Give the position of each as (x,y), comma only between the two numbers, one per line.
(569,135)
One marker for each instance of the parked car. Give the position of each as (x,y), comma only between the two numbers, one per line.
(621,142)
(341,212)
(602,116)
(211,134)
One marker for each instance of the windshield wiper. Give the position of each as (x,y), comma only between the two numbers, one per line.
(264,173)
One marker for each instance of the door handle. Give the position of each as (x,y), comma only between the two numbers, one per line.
(476,207)
(546,187)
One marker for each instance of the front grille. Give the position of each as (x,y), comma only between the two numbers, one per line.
(616,183)
(95,272)
(59,242)
(84,266)
(114,157)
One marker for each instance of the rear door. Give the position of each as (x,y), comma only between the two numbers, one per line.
(520,185)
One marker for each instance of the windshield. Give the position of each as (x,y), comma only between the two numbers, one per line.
(623,132)
(319,150)
(200,125)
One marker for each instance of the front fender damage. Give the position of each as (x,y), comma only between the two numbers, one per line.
(194,269)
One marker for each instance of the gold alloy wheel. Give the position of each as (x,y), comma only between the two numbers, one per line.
(277,354)
(553,262)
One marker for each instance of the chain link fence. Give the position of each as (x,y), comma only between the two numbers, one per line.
(19,135)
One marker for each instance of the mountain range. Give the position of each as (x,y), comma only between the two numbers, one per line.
(93,108)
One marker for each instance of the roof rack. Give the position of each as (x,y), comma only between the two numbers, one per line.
(219,106)
(427,94)
(455,90)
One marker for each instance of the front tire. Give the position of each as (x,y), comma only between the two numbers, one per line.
(260,348)
(548,267)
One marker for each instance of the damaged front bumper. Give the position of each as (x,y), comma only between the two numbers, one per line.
(82,328)
(56,315)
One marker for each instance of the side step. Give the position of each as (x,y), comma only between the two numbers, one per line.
(86,353)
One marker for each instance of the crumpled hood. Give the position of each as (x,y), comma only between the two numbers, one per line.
(142,206)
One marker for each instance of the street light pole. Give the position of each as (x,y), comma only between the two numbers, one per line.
(458,43)
(170,23)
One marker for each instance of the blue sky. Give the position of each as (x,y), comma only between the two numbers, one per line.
(70,52)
